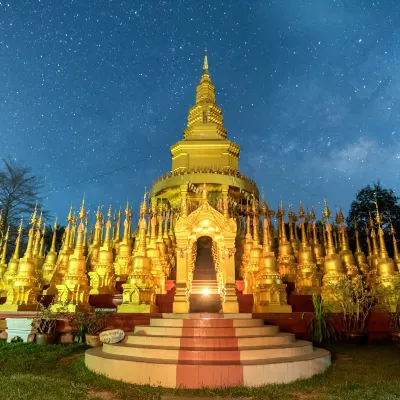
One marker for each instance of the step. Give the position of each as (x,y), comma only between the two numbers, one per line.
(205,291)
(172,374)
(266,330)
(216,355)
(208,315)
(198,323)
(281,338)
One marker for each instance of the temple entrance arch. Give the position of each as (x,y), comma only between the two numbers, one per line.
(204,267)
(205,221)
(205,291)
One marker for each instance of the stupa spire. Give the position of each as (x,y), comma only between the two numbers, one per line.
(4,250)
(205,63)
(396,256)
(383,252)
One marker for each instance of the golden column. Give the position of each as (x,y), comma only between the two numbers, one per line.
(22,293)
(138,292)
(73,292)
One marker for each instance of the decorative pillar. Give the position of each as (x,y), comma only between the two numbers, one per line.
(225,200)
(230,303)
(181,304)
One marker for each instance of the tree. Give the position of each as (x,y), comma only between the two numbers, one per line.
(19,193)
(364,204)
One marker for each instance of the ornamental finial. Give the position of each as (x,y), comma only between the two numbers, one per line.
(205,63)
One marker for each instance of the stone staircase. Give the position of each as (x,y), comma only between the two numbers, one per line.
(208,350)
(204,287)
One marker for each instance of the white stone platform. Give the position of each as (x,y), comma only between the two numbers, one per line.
(208,350)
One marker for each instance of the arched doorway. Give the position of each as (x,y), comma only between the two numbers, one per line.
(204,294)
(205,221)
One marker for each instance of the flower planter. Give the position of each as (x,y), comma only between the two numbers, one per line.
(93,340)
(46,338)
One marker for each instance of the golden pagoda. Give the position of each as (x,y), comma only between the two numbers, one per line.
(139,292)
(102,277)
(334,270)
(73,292)
(123,259)
(50,262)
(308,279)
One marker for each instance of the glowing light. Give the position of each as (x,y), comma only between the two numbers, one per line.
(206,292)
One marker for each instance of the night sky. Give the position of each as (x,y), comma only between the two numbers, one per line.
(93,93)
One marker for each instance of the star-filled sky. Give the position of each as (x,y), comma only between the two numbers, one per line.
(93,93)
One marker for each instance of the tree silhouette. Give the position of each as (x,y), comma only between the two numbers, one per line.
(365,204)
(19,193)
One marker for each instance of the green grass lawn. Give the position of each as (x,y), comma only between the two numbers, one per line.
(28,371)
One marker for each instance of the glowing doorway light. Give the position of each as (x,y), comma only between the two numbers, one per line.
(206,292)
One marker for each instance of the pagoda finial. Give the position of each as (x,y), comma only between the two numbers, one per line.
(326,212)
(205,63)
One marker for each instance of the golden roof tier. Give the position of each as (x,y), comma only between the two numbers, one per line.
(205,155)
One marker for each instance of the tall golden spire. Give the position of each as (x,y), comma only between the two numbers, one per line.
(4,250)
(107,239)
(79,240)
(375,248)
(368,242)
(396,256)
(281,215)
(358,247)
(304,241)
(50,261)
(331,249)
(255,224)
(383,252)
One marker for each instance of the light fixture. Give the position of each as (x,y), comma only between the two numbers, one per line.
(206,292)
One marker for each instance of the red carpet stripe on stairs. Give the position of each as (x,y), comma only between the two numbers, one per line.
(195,338)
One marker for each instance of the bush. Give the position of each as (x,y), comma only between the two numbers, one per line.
(85,323)
(320,324)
